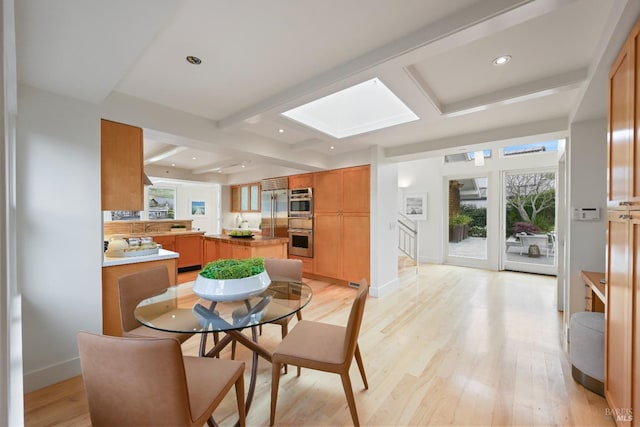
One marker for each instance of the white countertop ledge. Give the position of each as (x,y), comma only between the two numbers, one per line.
(162,254)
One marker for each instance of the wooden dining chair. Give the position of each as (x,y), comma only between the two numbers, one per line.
(282,269)
(147,381)
(323,347)
(136,287)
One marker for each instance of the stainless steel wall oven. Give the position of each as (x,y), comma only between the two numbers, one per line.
(300,202)
(301,233)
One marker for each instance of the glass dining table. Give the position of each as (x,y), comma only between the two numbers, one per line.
(179,309)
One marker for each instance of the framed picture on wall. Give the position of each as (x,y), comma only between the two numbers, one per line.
(162,202)
(415,206)
(198,208)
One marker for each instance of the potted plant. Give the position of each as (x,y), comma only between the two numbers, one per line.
(459,227)
(232,279)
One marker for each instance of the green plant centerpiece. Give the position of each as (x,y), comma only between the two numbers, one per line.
(233,268)
(232,279)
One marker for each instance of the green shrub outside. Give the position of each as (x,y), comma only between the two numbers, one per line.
(478,215)
(475,231)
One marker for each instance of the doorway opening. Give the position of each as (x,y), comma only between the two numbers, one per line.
(529,221)
(468,218)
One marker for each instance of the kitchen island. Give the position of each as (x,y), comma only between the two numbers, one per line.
(224,246)
(114,267)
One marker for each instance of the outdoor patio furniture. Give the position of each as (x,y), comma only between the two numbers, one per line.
(540,240)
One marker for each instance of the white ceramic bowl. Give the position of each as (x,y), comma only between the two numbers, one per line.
(231,289)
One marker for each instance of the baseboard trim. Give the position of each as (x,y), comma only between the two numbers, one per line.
(52,374)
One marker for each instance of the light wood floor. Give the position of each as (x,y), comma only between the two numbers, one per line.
(454,346)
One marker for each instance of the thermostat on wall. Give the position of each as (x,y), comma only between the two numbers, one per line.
(585,214)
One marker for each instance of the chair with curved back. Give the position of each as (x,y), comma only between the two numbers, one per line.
(284,269)
(280,269)
(147,381)
(323,347)
(136,287)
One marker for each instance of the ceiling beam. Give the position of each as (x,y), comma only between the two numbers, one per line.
(525,92)
(477,21)
(545,130)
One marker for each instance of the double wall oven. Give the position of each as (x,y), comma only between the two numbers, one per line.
(301,222)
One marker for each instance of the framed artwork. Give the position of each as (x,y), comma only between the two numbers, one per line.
(415,206)
(162,202)
(197,208)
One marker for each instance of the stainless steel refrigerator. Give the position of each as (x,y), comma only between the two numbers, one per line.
(275,207)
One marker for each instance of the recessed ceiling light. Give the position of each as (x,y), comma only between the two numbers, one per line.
(194,60)
(243,166)
(332,147)
(193,158)
(501,60)
(365,107)
(281,130)
(173,164)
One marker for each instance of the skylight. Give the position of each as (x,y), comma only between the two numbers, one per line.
(361,108)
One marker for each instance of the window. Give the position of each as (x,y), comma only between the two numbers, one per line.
(245,198)
(538,147)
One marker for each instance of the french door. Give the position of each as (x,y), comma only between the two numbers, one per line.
(529,242)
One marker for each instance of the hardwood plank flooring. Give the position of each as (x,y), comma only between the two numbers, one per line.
(453,346)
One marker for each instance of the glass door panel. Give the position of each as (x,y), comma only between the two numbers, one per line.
(529,221)
(468,218)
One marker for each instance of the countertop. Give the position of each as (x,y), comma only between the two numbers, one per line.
(162,233)
(243,241)
(592,278)
(162,254)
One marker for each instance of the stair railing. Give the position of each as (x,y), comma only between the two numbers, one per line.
(408,237)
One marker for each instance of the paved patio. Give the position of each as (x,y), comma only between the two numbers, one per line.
(476,247)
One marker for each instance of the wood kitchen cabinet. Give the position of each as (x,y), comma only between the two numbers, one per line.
(342,223)
(190,249)
(210,251)
(301,181)
(167,242)
(122,172)
(189,246)
(622,323)
(245,198)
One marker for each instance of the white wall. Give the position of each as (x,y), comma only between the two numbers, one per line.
(425,176)
(59,231)
(210,194)
(384,230)
(586,241)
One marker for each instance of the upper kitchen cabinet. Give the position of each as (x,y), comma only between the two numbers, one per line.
(301,181)
(122,170)
(623,153)
(245,198)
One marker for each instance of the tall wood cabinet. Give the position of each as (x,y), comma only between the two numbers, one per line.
(622,330)
(341,223)
(121,159)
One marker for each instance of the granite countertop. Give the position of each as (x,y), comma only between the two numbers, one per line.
(162,254)
(243,241)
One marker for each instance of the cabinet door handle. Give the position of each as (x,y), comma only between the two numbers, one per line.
(625,204)
(624,217)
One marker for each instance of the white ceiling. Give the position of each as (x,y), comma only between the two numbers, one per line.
(260,58)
